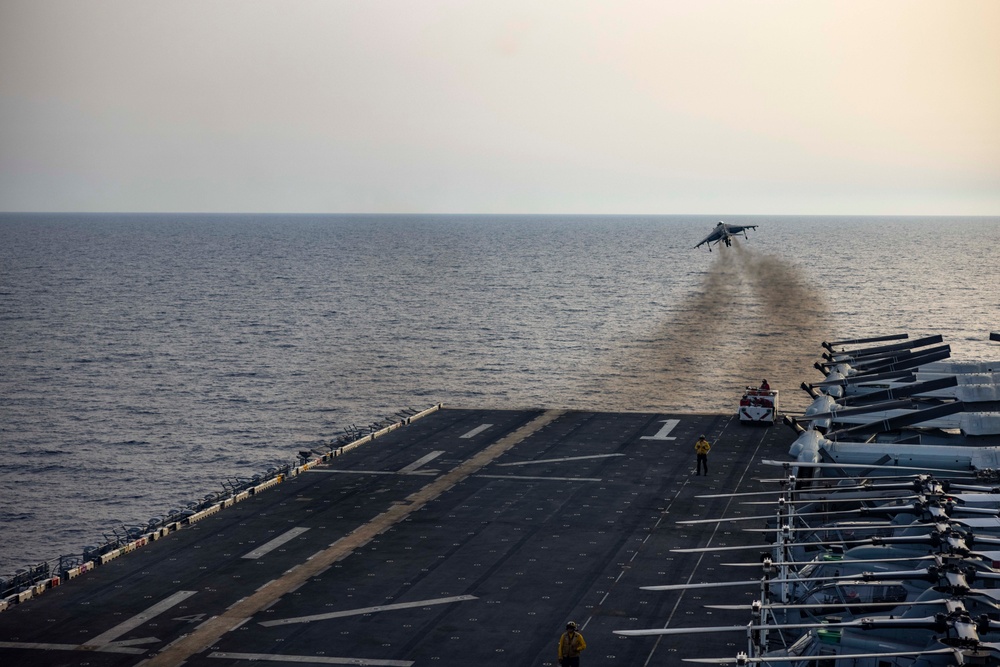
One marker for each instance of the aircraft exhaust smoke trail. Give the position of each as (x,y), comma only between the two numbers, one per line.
(754,316)
(795,314)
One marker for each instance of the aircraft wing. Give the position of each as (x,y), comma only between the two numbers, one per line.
(714,236)
(736,229)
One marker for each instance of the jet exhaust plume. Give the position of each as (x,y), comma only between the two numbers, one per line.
(794,316)
(754,316)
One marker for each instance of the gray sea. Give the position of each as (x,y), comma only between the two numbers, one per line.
(145,359)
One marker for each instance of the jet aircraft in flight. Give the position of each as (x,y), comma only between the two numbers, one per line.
(724,233)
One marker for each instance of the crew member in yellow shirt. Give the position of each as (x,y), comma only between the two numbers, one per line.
(570,645)
(701,448)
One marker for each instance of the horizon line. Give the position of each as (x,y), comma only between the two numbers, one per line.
(511,215)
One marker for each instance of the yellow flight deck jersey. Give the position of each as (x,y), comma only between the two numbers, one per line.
(570,648)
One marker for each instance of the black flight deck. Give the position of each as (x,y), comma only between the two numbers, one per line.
(468,537)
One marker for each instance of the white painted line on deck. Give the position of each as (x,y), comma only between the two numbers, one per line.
(374,472)
(554,479)
(134,642)
(40,645)
(276,542)
(419,463)
(213,629)
(566,458)
(368,610)
(106,638)
(476,431)
(106,648)
(310,659)
(240,624)
(668,426)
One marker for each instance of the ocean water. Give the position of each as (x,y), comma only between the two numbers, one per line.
(144,359)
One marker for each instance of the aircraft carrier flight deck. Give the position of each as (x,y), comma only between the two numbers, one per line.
(466,537)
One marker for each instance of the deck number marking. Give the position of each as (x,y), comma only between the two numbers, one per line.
(193,618)
(664,432)
(276,542)
(368,610)
(476,431)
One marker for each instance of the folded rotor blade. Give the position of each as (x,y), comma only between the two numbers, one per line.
(842,605)
(875,351)
(828,529)
(894,423)
(907,390)
(834,499)
(747,494)
(692,522)
(871,362)
(743,660)
(855,478)
(857,410)
(863,466)
(933,354)
(856,379)
(766,547)
(864,623)
(833,562)
(862,341)
(860,576)
(709,584)
(989,593)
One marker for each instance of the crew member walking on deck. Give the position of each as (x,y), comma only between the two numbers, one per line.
(701,448)
(570,645)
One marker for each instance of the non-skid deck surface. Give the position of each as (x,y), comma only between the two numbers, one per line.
(469,537)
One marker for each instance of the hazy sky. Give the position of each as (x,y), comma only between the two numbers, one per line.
(501,106)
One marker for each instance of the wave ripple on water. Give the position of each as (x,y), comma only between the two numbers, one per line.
(145,359)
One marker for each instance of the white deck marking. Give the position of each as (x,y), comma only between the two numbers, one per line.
(40,645)
(567,458)
(412,469)
(476,431)
(106,648)
(311,659)
(554,479)
(191,618)
(368,610)
(106,638)
(134,642)
(374,472)
(668,426)
(276,542)
(209,632)
(420,462)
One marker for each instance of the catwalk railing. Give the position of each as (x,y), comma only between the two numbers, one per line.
(35,579)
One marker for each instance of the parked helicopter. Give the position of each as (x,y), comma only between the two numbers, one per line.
(883,622)
(724,233)
(952,569)
(935,508)
(888,368)
(870,640)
